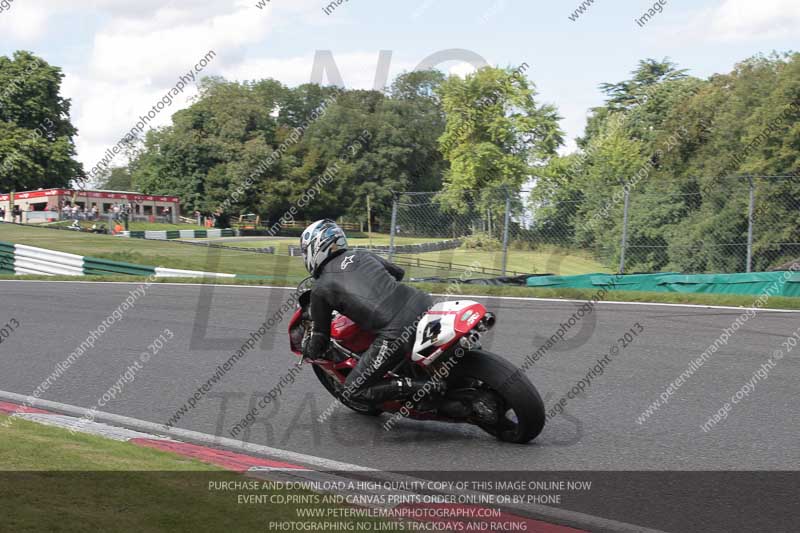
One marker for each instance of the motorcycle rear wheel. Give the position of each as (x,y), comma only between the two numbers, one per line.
(522,413)
(336,388)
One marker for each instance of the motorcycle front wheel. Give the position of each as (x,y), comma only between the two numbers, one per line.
(521,414)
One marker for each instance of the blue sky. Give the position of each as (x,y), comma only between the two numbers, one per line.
(121,57)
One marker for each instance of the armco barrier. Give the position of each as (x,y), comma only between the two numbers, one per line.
(163,235)
(94,266)
(155,235)
(175,273)
(414,248)
(207,244)
(20,259)
(6,258)
(31,260)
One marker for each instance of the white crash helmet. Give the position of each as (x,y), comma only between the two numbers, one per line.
(319,241)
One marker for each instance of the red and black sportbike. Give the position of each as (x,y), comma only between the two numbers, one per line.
(447,346)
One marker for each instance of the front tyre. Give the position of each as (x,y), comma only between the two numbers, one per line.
(522,413)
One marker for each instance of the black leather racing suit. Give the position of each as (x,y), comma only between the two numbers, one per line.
(365,288)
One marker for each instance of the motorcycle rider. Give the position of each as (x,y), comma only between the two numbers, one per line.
(364,287)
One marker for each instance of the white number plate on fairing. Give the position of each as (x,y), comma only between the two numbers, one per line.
(438,326)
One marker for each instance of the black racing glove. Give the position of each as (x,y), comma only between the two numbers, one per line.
(315,346)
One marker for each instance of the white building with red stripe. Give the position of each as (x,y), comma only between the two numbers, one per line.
(48,203)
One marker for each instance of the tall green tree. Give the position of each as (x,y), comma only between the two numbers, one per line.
(116,179)
(212,146)
(36,135)
(638,89)
(496,134)
(281,141)
(693,137)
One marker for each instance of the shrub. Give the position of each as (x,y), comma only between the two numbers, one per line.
(482,241)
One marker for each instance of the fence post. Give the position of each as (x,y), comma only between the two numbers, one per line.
(505,232)
(393,229)
(624,243)
(369,221)
(750,222)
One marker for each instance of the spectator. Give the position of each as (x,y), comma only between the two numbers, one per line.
(16,214)
(2,214)
(115,211)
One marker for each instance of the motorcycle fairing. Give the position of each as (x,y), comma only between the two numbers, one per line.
(442,325)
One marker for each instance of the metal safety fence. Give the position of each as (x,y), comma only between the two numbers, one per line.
(725,225)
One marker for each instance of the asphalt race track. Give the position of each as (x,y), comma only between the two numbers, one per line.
(598,431)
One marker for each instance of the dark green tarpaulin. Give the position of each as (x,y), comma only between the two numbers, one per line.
(778,283)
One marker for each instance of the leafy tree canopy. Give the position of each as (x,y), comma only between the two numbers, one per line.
(36,135)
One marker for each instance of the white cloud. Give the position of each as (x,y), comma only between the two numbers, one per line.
(746,19)
(139,50)
(460,69)
(104,111)
(23,21)
(170,41)
(138,55)
(740,20)
(357,69)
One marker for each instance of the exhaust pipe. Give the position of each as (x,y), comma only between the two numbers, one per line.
(487,322)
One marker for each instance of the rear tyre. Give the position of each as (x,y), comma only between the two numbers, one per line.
(522,414)
(336,388)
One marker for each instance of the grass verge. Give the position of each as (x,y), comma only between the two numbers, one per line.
(183,256)
(730,300)
(133,226)
(376,239)
(550,260)
(171,254)
(52,480)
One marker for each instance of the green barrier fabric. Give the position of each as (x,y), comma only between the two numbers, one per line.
(93,266)
(6,262)
(6,257)
(583,281)
(785,283)
(778,283)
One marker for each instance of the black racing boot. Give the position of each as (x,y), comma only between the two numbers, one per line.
(399,388)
